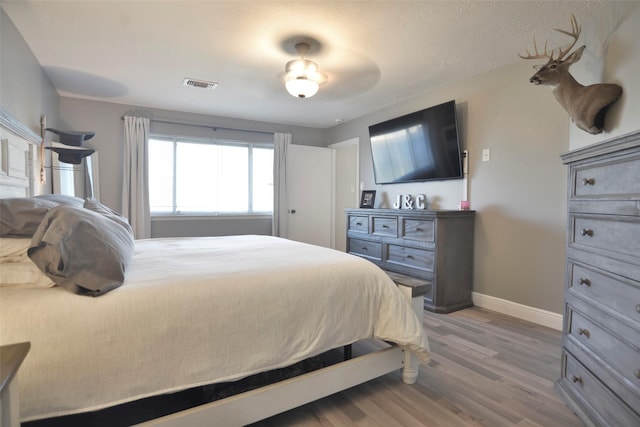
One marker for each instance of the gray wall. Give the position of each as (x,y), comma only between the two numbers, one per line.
(205,226)
(105,119)
(520,194)
(25,91)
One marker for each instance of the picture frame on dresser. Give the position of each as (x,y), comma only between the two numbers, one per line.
(367,199)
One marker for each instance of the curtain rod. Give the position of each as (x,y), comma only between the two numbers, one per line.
(208,126)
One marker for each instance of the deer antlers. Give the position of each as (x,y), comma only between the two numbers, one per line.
(574,33)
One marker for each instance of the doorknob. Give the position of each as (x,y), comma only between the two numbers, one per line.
(292,211)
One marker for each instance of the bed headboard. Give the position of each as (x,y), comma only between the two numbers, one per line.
(18,157)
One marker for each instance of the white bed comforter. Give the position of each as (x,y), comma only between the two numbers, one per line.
(194,311)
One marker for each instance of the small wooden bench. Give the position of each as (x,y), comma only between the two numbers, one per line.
(419,287)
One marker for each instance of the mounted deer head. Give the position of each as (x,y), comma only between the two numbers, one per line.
(586,105)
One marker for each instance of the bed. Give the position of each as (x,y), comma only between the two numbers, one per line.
(196,311)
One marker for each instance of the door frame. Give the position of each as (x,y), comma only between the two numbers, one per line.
(334,184)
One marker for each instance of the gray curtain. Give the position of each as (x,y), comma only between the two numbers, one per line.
(281,142)
(135,182)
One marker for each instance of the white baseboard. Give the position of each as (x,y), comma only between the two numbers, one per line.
(524,312)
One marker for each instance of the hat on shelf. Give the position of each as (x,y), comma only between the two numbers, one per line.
(75,138)
(70,154)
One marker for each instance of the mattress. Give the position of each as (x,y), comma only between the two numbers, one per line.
(195,311)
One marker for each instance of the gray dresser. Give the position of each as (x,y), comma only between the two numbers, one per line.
(600,377)
(433,246)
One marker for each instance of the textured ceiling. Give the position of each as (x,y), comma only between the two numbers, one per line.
(374,53)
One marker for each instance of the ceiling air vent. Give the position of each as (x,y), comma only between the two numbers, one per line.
(202,84)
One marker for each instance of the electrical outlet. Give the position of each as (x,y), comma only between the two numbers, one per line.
(486,155)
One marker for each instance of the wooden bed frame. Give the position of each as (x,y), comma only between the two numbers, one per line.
(20,163)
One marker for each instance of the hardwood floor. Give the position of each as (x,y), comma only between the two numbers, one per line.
(487,369)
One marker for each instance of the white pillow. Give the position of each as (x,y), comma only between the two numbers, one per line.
(14,248)
(23,274)
(16,269)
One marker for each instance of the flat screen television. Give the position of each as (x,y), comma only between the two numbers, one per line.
(420,146)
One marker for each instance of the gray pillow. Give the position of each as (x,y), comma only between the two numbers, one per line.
(62,199)
(21,216)
(95,206)
(81,250)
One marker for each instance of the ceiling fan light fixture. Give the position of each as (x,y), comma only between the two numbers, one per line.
(302,79)
(301,86)
(300,66)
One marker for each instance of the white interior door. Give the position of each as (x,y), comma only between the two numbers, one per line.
(309,194)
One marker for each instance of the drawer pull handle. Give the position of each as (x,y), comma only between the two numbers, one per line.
(586,232)
(583,281)
(588,181)
(576,379)
(409,256)
(358,223)
(585,332)
(385,226)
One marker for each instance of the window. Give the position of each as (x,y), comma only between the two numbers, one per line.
(203,176)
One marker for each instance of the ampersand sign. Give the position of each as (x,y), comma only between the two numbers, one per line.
(407,202)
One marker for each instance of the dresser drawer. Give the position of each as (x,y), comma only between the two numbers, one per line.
(600,287)
(597,396)
(385,226)
(621,356)
(411,257)
(365,248)
(359,224)
(612,178)
(613,235)
(421,230)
